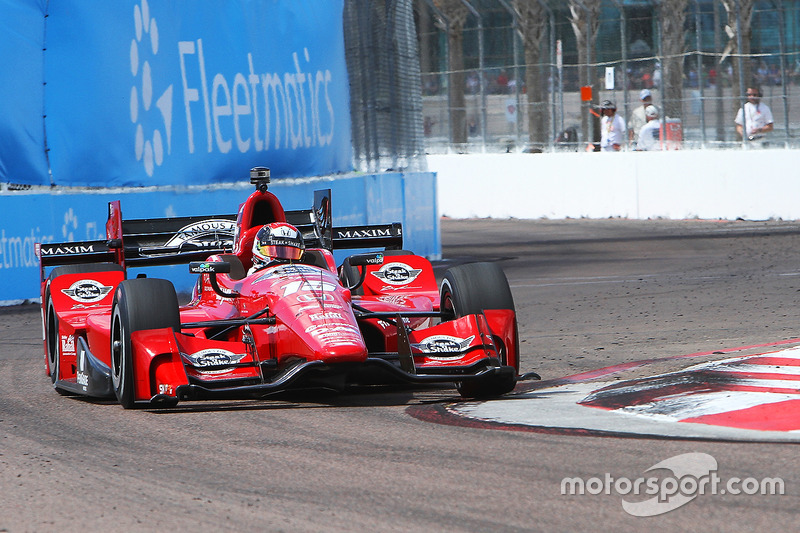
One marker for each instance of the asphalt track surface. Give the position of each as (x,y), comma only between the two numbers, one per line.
(589,294)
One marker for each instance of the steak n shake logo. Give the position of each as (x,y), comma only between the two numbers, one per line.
(397,273)
(87,291)
(442,347)
(213,360)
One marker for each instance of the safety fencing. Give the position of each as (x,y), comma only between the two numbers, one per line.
(506,75)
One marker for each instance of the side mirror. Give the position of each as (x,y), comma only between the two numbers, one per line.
(212,268)
(362,260)
(374,258)
(209,267)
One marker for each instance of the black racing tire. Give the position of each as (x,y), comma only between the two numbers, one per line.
(350,274)
(52,343)
(139,304)
(470,289)
(474,287)
(51,336)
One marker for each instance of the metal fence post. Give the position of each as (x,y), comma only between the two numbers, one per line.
(740,61)
(589,76)
(782,49)
(446,23)
(553,72)
(482,69)
(624,44)
(700,84)
(515,29)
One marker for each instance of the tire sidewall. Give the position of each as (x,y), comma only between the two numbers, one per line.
(139,304)
(52,344)
(121,360)
(447,300)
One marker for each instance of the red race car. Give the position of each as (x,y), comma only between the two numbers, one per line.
(270,310)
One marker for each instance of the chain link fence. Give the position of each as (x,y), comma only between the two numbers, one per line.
(689,58)
(385,85)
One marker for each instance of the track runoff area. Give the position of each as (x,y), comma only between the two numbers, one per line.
(752,397)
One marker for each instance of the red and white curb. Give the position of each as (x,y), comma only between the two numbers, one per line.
(747,398)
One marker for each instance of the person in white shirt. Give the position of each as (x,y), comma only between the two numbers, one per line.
(638,118)
(612,128)
(650,133)
(755,116)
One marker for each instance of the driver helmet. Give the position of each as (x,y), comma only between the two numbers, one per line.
(277,241)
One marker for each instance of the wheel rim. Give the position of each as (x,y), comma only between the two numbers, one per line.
(116,349)
(501,349)
(446,304)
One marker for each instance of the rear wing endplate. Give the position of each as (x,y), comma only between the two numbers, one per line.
(146,242)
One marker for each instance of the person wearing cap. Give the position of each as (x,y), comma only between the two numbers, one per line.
(638,119)
(650,133)
(612,128)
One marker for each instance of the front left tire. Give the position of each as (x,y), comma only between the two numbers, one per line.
(139,304)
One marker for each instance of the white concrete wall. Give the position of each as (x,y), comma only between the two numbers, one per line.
(752,184)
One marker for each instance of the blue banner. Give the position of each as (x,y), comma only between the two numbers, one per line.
(30,217)
(142,92)
(22,142)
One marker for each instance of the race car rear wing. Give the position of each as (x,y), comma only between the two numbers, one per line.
(389,236)
(179,240)
(146,242)
(318,231)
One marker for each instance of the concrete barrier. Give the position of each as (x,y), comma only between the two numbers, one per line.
(756,184)
(63,215)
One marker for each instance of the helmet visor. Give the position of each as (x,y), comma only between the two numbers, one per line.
(288,251)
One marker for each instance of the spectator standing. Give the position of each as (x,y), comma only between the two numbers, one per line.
(502,82)
(612,128)
(650,133)
(712,77)
(755,116)
(638,118)
(473,83)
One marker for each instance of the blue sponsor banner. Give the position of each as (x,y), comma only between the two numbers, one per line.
(183,92)
(30,217)
(22,154)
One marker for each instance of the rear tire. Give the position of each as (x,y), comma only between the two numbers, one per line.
(470,289)
(51,339)
(52,344)
(139,304)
